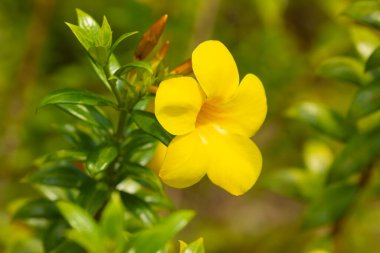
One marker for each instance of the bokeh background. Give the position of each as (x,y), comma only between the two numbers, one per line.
(281,41)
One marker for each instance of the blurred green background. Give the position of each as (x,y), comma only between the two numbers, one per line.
(281,41)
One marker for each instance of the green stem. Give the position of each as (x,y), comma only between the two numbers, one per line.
(121,124)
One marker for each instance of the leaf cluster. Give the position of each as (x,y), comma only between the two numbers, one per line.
(98,195)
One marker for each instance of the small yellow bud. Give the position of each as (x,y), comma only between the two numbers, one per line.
(150,38)
(183,69)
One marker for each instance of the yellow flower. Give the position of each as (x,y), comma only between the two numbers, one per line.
(212,118)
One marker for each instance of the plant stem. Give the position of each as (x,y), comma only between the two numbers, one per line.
(121,123)
(339,224)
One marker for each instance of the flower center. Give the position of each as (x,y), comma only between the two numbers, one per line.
(209,113)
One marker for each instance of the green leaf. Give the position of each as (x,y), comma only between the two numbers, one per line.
(99,54)
(112,223)
(317,157)
(293,182)
(366,101)
(105,35)
(68,246)
(99,70)
(72,96)
(133,65)
(148,122)
(78,218)
(121,38)
(356,156)
(87,22)
(323,119)
(85,230)
(139,208)
(92,196)
(160,234)
(55,235)
(365,40)
(330,205)
(373,61)
(63,175)
(367,12)
(88,114)
(99,159)
(82,35)
(64,154)
(342,69)
(80,139)
(39,208)
(144,176)
(194,247)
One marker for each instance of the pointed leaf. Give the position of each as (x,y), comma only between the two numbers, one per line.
(148,122)
(55,235)
(366,12)
(139,208)
(356,156)
(112,220)
(99,159)
(365,40)
(63,175)
(121,38)
(99,54)
(85,230)
(342,69)
(160,234)
(64,154)
(194,247)
(92,196)
(134,65)
(144,176)
(78,218)
(323,119)
(105,34)
(88,114)
(82,35)
(373,61)
(330,206)
(72,96)
(366,101)
(39,208)
(87,22)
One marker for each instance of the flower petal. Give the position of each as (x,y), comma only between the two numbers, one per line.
(177,104)
(215,70)
(158,158)
(245,112)
(185,162)
(235,161)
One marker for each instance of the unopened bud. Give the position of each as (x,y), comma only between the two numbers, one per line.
(183,69)
(150,38)
(160,55)
(152,89)
(163,51)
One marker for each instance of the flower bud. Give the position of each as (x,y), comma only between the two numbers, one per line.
(150,38)
(183,69)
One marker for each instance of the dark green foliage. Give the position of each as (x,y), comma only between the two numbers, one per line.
(343,69)
(323,119)
(147,121)
(105,199)
(330,206)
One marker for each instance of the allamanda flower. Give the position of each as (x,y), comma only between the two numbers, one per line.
(213,118)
